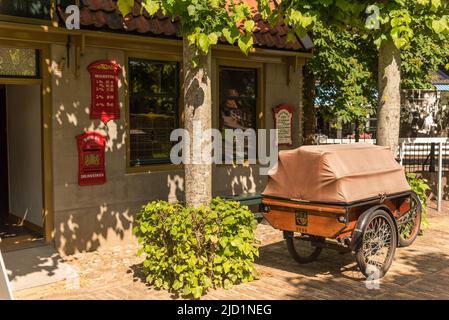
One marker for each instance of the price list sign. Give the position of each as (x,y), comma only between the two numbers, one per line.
(104,77)
(283,116)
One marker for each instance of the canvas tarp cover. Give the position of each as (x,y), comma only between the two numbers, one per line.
(336,173)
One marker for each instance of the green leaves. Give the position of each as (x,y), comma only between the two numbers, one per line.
(245,43)
(152,6)
(441,26)
(420,187)
(204,22)
(191,250)
(125,6)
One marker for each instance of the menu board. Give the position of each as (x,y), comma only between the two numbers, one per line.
(104,87)
(283,115)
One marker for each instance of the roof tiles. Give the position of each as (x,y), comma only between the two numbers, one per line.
(104,15)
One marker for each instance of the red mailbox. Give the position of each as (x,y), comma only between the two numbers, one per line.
(91,154)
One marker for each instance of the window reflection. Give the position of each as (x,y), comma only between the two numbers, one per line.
(153,111)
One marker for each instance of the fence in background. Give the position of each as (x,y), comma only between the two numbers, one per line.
(420,155)
(424,156)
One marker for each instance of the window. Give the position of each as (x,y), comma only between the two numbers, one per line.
(153,110)
(238,100)
(37,9)
(19,63)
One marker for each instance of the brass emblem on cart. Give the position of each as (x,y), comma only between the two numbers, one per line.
(301,218)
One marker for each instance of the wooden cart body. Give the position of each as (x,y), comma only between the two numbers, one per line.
(326,191)
(334,221)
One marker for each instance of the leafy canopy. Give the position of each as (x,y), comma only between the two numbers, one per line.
(344,65)
(204,22)
(399,20)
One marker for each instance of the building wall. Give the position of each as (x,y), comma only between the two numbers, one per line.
(87,218)
(24,152)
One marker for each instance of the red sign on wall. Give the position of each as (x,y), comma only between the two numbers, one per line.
(104,77)
(283,121)
(91,154)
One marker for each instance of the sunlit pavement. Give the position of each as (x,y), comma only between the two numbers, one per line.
(418,272)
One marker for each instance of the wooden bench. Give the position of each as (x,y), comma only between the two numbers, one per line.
(250,199)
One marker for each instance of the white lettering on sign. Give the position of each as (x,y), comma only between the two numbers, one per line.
(284,127)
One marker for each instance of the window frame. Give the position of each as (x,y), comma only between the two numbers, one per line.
(260,91)
(38,65)
(156,165)
(30,20)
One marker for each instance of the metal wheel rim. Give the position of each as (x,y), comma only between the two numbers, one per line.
(407,223)
(377,242)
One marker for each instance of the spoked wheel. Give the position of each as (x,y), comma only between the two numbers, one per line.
(410,223)
(376,250)
(301,248)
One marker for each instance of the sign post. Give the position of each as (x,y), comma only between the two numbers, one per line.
(5,287)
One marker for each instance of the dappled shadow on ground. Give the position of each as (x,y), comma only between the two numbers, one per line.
(420,271)
(139,276)
(416,273)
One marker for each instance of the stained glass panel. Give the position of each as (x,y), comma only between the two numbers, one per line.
(18,62)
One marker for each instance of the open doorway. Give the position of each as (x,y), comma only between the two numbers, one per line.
(21,187)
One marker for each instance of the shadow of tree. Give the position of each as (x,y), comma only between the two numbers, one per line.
(415,274)
(41,259)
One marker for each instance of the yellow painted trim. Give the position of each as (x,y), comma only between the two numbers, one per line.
(47,142)
(25,20)
(154,168)
(158,57)
(19,81)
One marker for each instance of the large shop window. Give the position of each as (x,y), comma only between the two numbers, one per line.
(238,101)
(153,110)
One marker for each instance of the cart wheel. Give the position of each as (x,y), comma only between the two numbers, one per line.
(409,224)
(302,250)
(376,250)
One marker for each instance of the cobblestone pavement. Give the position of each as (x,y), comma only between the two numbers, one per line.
(418,272)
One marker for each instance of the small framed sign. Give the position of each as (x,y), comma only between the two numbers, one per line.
(283,116)
(104,77)
(91,154)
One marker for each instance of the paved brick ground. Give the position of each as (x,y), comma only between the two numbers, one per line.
(418,272)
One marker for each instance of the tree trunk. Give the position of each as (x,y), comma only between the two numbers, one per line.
(389,109)
(309,107)
(197,119)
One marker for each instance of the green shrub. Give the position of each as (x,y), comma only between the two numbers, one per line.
(188,251)
(420,187)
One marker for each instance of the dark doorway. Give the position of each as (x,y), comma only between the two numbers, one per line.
(17,230)
(4,193)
